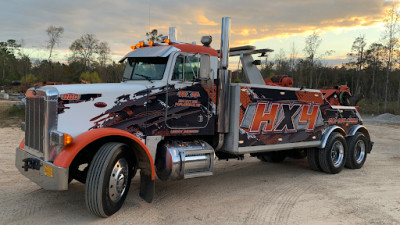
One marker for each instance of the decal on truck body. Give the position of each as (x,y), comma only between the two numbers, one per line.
(71,98)
(164,111)
(279,116)
(262,117)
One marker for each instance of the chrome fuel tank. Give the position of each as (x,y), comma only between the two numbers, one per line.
(178,160)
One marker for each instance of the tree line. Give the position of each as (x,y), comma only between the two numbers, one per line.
(89,61)
(372,70)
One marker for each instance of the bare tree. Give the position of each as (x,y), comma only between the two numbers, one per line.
(153,35)
(281,62)
(374,58)
(84,49)
(358,53)
(292,59)
(390,36)
(8,52)
(103,52)
(54,34)
(313,42)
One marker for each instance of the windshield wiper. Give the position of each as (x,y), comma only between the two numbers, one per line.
(145,76)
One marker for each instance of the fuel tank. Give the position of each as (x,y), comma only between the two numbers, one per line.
(179,160)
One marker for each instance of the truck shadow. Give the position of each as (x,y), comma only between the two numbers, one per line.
(69,206)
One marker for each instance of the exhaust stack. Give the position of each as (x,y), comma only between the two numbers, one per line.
(224,50)
(224,78)
(172,34)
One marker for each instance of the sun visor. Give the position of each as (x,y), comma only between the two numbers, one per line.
(156,51)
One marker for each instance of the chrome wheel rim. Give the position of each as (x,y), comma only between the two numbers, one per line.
(359,151)
(337,153)
(118,180)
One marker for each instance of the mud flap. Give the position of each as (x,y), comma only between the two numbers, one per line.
(147,187)
(371,144)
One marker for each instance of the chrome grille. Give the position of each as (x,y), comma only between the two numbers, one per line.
(35,123)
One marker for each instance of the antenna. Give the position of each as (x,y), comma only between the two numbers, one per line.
(149,16)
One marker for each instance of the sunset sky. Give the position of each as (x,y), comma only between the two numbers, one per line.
(266,23)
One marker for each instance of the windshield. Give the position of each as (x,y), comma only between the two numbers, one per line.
(147,68)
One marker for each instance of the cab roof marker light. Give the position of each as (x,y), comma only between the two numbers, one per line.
(163,39)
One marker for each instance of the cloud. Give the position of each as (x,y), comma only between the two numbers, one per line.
(202,20)
(125,22)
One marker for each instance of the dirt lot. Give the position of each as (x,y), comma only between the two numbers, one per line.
(240,192)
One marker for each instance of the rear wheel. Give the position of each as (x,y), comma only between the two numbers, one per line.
(108,179)
(297,154)
(332,157)
(357,152)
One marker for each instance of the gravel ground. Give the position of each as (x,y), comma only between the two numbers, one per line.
(240,192)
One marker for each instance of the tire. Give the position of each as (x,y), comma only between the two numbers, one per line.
(108,179)
(357,151)
(274,157)
(313,158)
(333,157)
(297,154)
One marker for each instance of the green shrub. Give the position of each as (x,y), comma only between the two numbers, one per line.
(16,111)
(88,77)
(376,107)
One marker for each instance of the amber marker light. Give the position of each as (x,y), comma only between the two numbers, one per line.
(167,41)
(67,139)
(151,43)
(141,44)
(133,47)
(137,45)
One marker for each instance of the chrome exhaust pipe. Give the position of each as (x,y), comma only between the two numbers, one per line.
(224,78)
(224,50)
(172,34)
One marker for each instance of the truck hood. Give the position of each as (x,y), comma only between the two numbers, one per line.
(108,88)
(82,106)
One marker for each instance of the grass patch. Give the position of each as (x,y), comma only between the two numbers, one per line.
(376,107)
(11,113)
(16,111)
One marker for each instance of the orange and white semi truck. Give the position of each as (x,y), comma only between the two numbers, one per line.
(172,115)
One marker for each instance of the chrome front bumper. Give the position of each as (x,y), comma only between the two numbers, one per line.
(44,174)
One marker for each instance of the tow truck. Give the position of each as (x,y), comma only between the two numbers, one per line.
(176,111)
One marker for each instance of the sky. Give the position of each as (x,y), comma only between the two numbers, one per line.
(278,25)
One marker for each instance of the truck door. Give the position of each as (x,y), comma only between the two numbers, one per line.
(190,94)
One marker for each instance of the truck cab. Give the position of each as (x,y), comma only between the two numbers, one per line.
(187,80)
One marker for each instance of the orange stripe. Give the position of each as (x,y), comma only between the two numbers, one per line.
(67,154)
(22,144)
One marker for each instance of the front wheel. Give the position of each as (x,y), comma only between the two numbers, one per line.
(332,157)
(108,179)
(357,152)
